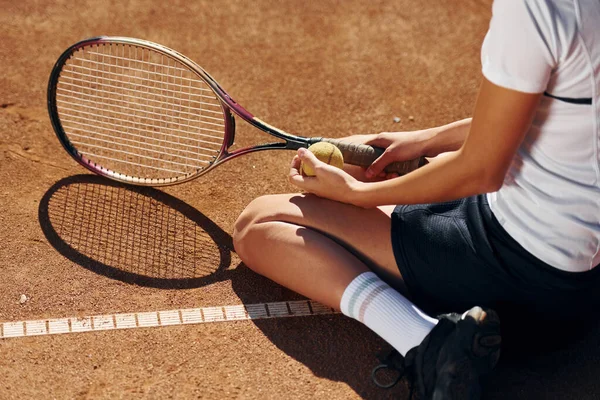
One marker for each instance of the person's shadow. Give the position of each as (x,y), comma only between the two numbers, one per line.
(146,237)
(333,347)
(563,364)
(341,349)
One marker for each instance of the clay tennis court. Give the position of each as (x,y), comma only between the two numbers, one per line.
(101,293)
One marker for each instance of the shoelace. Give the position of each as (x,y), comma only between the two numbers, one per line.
(393,361)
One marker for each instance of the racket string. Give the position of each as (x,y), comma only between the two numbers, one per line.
(144,131)
(117,78)
(216,112)
(176,117)
(138,112)
(140,136)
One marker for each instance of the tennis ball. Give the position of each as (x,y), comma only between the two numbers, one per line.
(326,152)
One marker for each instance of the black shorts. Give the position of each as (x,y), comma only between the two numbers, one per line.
(455,255)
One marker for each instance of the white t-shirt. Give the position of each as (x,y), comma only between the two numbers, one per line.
(550,200)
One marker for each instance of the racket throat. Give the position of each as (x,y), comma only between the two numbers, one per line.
(230,131)
(294,143)
(297,142)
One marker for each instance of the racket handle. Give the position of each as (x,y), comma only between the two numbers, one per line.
(364,155)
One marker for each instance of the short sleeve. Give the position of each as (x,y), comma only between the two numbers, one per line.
(519,49)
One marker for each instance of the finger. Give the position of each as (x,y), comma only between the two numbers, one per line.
(378,166)
(305,183)
(296,177)
(296,163)
(310,159)
(295,167)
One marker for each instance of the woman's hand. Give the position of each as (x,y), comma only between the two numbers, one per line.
(329,182)
(404,146)
(399,146)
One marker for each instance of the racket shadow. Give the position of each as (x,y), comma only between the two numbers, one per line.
(138,235)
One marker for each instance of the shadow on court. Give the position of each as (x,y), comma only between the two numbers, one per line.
(146,237)
(338,348)
(563,364)
(565,372)
(333,347)
(138,235)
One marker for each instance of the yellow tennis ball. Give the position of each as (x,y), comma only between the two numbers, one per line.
(326,152)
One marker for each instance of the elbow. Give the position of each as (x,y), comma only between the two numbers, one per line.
(491,182)
(492,186)
(487,173)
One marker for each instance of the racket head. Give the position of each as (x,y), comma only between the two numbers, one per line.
(138,112)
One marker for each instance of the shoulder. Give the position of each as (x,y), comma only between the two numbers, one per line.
(543,11)
(554,22)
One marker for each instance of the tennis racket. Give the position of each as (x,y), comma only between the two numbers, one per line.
(141,113)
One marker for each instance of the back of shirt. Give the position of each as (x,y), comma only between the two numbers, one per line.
(550,200)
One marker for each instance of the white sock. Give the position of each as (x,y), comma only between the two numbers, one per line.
(373,302)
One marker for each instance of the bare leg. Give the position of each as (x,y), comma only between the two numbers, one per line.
(316,246)
(326,251)
(336,254)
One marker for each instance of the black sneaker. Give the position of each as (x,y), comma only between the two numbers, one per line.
(452,358)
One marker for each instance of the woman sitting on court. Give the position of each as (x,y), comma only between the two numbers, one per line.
(506,214)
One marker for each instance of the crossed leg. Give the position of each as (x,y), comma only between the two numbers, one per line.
(328,252)
(316,246)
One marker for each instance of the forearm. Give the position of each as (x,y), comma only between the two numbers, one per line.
(448,178)
(481,163)
(446,138)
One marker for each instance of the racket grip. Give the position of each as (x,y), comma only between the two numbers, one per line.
(364,155)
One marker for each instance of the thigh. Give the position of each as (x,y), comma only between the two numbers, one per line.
(364,232)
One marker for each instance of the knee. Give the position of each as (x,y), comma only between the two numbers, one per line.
(253,214)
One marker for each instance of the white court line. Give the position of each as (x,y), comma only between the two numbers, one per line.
(152,319)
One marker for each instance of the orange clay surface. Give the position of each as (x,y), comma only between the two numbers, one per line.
(317,68)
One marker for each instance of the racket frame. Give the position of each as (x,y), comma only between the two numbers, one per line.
(229,107)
